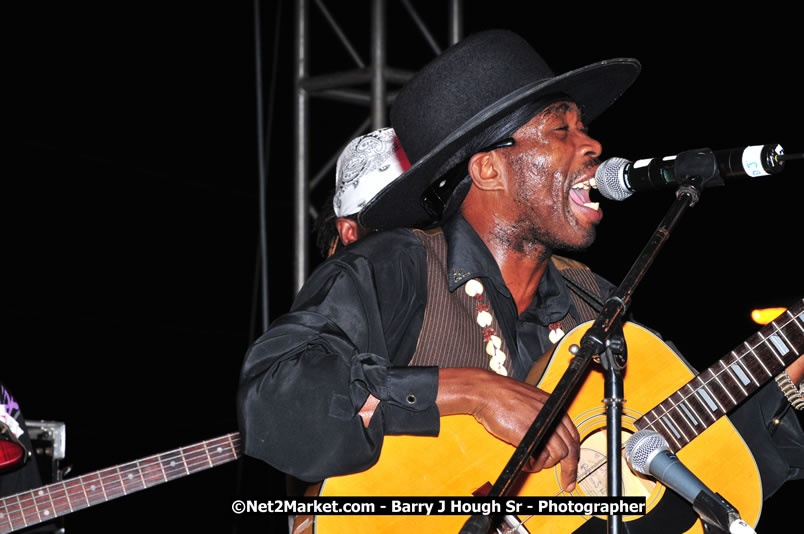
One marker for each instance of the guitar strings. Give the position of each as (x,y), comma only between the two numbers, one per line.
(714,376)
(104,476)
(193,459)
(604,461)
(595,467)
(196,458)
(190,459)
(592,470)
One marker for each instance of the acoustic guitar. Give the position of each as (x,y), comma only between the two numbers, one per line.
(464,456)
(48,502)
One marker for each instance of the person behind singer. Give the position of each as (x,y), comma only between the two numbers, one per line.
(501,160)
(367,164)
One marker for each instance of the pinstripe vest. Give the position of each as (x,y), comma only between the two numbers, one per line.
(450,335)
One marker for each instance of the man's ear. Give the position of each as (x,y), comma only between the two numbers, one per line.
(485,170)
(348,230)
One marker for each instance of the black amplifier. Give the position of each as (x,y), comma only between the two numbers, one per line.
(49,440)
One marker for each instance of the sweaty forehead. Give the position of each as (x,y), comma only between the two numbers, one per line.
(557,111)
(560,109)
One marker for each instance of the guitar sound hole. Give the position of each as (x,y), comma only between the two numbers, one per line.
(592,469)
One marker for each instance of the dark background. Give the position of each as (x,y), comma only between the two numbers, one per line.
(132,238)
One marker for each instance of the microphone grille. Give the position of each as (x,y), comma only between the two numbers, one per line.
(610,179)
(641,447)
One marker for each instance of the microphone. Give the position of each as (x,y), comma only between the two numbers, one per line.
(618,178)
(647,452)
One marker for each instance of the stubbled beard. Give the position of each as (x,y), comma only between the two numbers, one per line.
(527,235)
(534,238)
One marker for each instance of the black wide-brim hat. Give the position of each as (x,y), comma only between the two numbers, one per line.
(470,86)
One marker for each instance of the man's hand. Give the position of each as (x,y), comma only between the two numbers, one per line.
(507,408)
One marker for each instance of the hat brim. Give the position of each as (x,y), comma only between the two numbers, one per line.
(593,87)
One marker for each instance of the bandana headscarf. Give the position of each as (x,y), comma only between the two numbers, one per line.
(366,166)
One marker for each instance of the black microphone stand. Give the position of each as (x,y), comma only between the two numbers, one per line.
(699,168)
(613,361)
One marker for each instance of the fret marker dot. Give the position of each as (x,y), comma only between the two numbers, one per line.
(41,493)
(47,512)
(172,463)
(130,476)
(219,449)
(92,487)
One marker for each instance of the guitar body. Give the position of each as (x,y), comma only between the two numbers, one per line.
(464,456)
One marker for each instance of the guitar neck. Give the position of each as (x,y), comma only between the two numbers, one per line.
(713,393)
(54,500)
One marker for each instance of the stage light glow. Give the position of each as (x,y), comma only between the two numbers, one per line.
(766,315)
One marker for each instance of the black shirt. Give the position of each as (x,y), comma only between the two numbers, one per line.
(352,331)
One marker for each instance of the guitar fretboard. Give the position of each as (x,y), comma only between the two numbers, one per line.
(45,503)
(713,393)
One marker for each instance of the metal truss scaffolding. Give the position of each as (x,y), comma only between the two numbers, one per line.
(382,82)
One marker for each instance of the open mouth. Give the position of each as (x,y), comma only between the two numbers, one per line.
(579,194)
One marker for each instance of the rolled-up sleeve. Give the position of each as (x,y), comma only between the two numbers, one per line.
(304,381)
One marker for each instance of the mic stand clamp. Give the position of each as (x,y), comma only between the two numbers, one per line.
(698,166)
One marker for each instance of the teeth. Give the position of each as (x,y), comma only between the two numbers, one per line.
(593,205)
(591,183)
